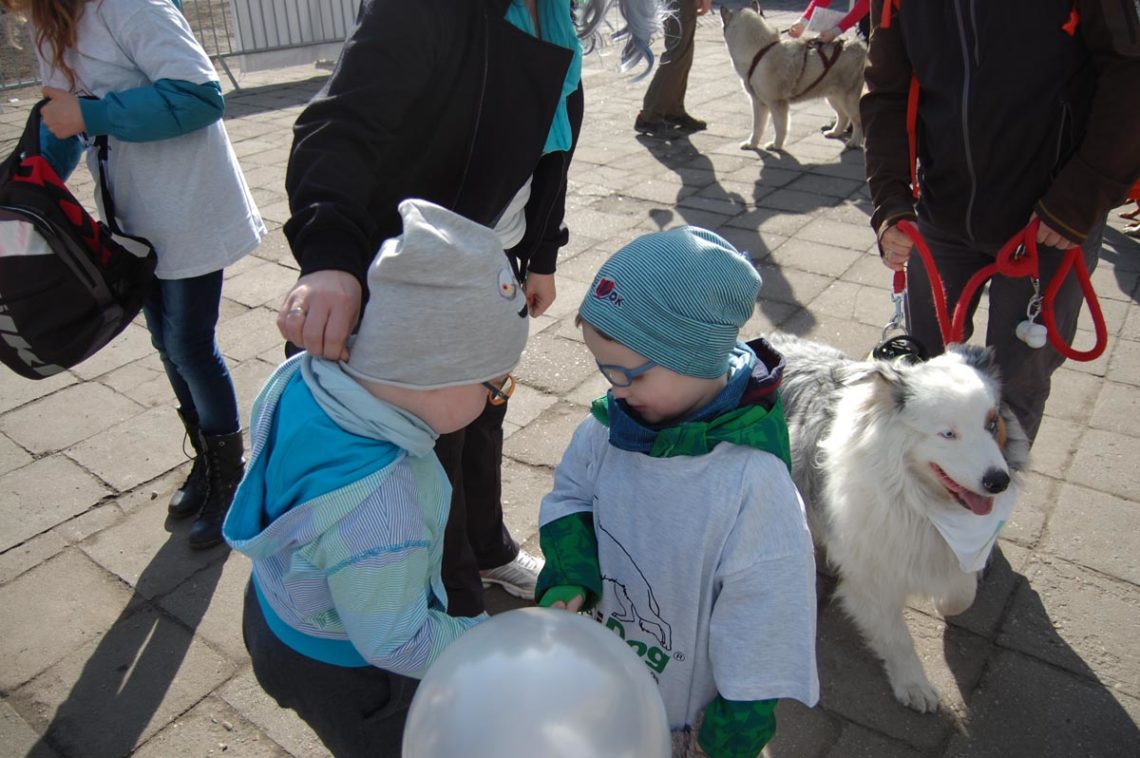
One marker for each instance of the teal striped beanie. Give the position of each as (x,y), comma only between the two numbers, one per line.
(677,297)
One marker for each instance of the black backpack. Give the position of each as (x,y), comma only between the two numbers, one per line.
(68,283)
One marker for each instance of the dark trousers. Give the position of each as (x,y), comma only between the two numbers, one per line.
(1026,372)
(666,93)
(355,711)
(476,537)
(182,315)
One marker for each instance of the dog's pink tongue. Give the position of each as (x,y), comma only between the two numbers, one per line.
(976,503)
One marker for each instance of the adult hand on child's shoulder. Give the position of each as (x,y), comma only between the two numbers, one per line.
(62,116)
(320,312)
(540,293)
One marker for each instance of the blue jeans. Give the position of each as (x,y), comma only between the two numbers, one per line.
(181,315)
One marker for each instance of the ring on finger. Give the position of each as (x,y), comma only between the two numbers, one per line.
(298,310)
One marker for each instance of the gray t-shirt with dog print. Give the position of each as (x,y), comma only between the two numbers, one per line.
(707,565)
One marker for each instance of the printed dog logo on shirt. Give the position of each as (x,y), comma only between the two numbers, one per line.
(636,603)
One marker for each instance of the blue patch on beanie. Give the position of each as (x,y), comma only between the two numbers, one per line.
(677,297)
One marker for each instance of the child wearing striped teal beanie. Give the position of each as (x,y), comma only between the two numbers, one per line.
(673,516)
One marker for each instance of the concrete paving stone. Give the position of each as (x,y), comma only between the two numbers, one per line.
(278,156)
(554,365)
(855,339)
(850,166)
(582,266)
(88,408)
(110,695)
(801,732)
(12,456)
(856,302)
(790,285)
(17,739)
(16,390)
(855,211)
(542,444)
(1104,461)
(588,391)
(1026,708)
(1100,366)
(570,294)
(770,220)
(600,223)
(1130,329)
(857,237)
(524,486)
(727,206)
(857,742)
(241,266)
(1124,365)
(766,319)
(133,343)
(813,257)
(661,219)
(1038,496)
(250,334)
(1053,449)
(209,603)
(248,378)
(251,145)
(1073,395)
(1115,313)
(527,404)
(541,324)
(1096,530)
(144,381)
(733,192)
(133,451)
(854,685)
(274,247)
(578,242)
(154,493)
(72,602)
(831,186)
(769,177)
(1114,284)
(1117,408)
(757,245)
(794,201)
(1077,619)
(278,211)
(92,521)
(42,494)
(150,553)
(211,728)
(282,725)
(265,196)
(509,429)
(27,555)
(869,271)
(266,177)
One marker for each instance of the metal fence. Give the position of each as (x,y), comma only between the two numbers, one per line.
(251,29)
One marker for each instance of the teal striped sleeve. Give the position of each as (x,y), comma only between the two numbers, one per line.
(168,108)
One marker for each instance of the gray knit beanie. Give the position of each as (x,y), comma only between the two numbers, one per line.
(677,297)
(444,308)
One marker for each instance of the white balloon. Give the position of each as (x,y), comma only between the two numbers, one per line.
(537,682)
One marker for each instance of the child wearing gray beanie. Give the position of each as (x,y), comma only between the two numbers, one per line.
(675,496)
(344,503)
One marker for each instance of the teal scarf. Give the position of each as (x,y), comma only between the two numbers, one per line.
(558,29)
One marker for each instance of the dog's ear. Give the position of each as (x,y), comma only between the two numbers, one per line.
(890,382)
(755,5)
(725,16)
(1014,442)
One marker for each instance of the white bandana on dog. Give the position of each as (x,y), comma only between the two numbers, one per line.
(970,535)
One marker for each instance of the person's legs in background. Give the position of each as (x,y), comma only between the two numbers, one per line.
(663,108)
(478,548)
(182,315)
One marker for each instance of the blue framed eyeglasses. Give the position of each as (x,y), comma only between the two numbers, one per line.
(620,376)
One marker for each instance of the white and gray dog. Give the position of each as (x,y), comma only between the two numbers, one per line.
(901,465)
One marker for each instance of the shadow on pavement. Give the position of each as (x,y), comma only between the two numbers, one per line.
(127,677)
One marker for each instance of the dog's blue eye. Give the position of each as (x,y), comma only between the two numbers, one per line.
(949,434)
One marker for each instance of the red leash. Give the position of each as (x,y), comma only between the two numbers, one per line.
(1017,258)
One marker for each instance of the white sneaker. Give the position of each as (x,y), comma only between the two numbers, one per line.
(517,577)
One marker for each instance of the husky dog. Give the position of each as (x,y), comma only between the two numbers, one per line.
(777,72)
(886,454)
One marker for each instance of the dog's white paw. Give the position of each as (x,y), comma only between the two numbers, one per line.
(749,145)
(853,144)
(916,694)
(835,133)
(774,147)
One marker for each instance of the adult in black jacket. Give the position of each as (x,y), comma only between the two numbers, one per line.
(448,101)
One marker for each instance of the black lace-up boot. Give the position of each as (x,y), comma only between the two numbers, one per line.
(224,468)
(187,500)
